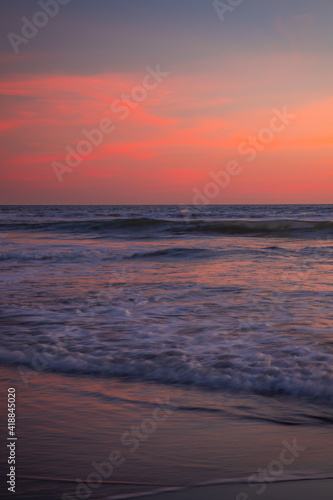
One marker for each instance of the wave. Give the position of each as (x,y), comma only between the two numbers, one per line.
(175,253)
(151,227)
(306,374)
(58,255)
(101,254)
(106,254)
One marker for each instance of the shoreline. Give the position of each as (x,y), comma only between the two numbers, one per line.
(68,425)
(302,489)
(286,489)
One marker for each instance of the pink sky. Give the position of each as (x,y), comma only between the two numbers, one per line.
(183,126)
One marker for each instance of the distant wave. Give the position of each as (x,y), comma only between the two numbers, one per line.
(175,253)
(105,254)
(151,227)
(61,256)
(101,253)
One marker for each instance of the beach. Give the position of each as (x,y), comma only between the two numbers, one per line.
(70,427)
(304,490)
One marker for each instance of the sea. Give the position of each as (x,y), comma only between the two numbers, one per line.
(233,303)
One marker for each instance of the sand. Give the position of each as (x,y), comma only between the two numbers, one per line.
(67,423)
(293,490)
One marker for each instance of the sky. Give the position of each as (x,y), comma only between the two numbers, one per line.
(166,102)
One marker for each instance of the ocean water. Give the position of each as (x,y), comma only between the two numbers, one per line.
(225,309)
(236,299)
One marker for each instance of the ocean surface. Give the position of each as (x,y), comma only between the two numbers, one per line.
(228,309)
(227,298)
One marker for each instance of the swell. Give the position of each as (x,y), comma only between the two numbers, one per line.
(104,255)
(101,253)
(154,227)
(175,253)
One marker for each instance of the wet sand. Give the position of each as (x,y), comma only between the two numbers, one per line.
(297,490)
(69,425)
